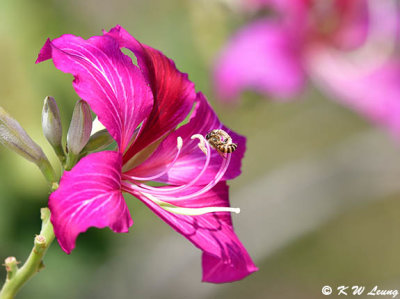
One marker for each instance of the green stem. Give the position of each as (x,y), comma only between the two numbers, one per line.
(47,170)
(16,278)
(60,153)
(71,160)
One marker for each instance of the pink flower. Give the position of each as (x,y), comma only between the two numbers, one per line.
(142,107)
(348,48)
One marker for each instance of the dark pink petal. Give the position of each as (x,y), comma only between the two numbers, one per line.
(191,159)
(106,78)
(353,21)
(89,196)
(224,257)
(371,87)
(263,56)
(173,93)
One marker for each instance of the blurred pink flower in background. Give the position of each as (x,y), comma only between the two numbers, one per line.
(347,48)
(142,107)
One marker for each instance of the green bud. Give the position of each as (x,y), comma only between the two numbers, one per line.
(80,128)
(51,125)
(98,141)
(51,122)
(13,136)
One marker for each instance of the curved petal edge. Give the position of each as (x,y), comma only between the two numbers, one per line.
(224,257)
(89,196)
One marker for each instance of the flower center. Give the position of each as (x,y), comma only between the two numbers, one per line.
(164,196)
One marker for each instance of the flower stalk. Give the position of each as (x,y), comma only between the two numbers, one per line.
(17,277)
(48,171)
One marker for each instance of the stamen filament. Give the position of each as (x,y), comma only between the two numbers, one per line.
(158,191)
(209,186)
(164,194)
(189,211)
(169,190)
(170,165)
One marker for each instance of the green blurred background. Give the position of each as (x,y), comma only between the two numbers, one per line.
(319,192)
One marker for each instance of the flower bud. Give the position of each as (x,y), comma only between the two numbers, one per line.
(51,125)
(80,128)
(13,136)
(51,122)
(98,141)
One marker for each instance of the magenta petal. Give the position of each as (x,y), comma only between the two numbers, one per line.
(173,93)
(191,159)
(224,257)
(89,196)
(263,56)
(106,78)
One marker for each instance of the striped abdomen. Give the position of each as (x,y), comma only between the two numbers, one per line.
(226,148)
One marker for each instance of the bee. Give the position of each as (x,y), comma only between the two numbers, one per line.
(221,141)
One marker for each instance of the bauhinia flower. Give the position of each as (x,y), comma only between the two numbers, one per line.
(143,108)
(348,48)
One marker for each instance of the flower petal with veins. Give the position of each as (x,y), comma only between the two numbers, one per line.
(89,196)
(106,78)
(173,92)
(142,107)
(224,257)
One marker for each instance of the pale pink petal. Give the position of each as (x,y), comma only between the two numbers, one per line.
(192,159)
(370,87)
(224,257)
(262,56)
(89,196)
(173,93)
(106,78)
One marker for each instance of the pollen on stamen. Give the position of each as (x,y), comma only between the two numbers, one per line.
(201,143)
(235,210)
(179,142)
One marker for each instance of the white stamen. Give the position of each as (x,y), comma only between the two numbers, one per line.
(170,165)
(202,142)
(179,142)
(209,186)
(168,190)
(189,211)
(165,193)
